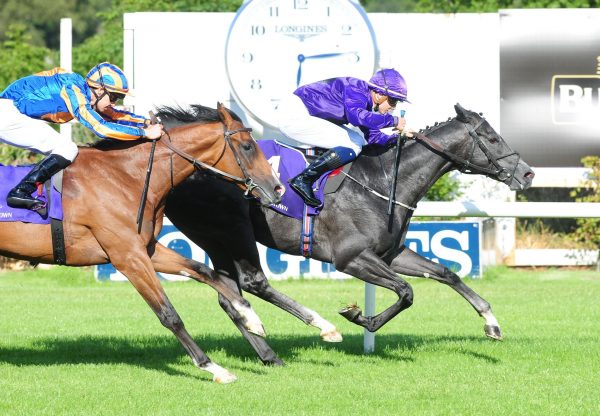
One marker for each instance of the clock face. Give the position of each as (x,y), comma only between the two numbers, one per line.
(274,46)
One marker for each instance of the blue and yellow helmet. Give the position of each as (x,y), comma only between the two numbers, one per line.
(108,76)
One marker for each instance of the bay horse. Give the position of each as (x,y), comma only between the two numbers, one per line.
(101,195)
(352,230)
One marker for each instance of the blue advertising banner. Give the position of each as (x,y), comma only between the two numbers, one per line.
(455,244)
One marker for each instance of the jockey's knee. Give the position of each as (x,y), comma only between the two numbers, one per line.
(67,149)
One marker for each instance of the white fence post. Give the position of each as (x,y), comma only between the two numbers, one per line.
(369,337)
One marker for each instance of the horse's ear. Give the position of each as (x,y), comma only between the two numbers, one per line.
(461,113)
(224,114)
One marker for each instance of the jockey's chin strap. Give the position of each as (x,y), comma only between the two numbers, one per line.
(498,172)
(98,97)
(247,181)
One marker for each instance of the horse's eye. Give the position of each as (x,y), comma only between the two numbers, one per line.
(247,146)
(493,140)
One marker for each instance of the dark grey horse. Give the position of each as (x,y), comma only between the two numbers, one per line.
(352,230)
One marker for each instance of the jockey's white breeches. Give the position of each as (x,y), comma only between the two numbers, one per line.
(300,128)
(25,132)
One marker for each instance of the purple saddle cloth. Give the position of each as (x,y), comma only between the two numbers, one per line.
(9,177)
(289,162)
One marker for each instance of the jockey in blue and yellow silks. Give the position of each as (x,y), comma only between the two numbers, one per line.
(59,96)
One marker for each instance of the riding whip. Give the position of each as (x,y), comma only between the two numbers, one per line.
(153,120)
(399,144)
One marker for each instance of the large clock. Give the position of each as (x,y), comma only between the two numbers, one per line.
(274,46)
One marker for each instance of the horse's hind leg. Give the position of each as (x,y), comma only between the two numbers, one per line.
(260,346)
(166,260)
(223,264)
(253,280)
(240,259)
(409,263)
(367,266)
(141,274)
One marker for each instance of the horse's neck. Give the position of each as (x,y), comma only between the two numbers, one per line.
(426,168)
(417,172)
(178,167)
(429,166)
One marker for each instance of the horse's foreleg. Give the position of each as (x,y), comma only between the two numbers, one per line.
(253,280)
(138,269)
(367,266)
(409,263)
(167,261)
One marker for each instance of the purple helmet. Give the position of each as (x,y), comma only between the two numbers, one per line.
(390,83)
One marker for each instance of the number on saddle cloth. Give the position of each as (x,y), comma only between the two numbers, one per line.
(289,161)
(10,176)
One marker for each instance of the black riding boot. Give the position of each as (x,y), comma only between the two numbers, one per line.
(20,195)
(332,159)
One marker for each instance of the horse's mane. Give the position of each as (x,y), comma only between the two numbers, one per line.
(376,150)
(196,113)
(171,117)
(436,125)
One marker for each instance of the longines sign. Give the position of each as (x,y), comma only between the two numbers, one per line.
(550,84)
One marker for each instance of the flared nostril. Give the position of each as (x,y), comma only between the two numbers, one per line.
(279,190)
(529,175)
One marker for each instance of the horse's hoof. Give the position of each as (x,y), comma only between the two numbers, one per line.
(256,329)
(275,362)
(331,336)
(351,312)
(493,331)
(225,378)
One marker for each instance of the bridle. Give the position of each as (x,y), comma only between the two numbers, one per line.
(493,169)
(247,180)
(464,165)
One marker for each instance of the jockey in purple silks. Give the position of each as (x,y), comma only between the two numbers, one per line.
(316,115)
(59,96)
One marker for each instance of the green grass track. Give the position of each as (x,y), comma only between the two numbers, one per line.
(72,346)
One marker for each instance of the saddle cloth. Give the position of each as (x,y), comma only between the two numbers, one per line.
(9,178)
(288,162)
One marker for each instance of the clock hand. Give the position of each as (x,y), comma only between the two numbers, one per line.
(328,55)
(302,58)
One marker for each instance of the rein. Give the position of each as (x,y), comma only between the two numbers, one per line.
(465,165)
(247,181)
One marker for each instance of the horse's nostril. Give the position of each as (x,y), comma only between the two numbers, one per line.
(279,190)
(529,175)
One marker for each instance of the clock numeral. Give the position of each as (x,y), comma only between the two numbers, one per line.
(258,30)
(328,11)
(274,11)
(247,57)
(346,29)
(255,84)
(301,4)
(275,103)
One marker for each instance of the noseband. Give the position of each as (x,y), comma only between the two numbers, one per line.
(247,181)
(493,169)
